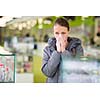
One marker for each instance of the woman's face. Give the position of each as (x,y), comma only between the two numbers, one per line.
(60,32)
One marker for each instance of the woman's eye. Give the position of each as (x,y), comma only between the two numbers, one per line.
(56,33)
(63,33)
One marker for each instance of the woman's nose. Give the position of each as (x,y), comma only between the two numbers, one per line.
(60,35)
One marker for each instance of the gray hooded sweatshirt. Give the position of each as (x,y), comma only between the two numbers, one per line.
(52,58)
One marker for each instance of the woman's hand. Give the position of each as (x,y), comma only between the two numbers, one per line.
(61,44)
(58,45)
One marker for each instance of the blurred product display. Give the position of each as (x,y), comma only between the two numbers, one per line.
(24,52)
(7,66)
(24,56)
(80,70)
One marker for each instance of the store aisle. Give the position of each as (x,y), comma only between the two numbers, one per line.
(24,78)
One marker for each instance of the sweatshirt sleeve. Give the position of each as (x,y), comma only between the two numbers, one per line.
(79,51)
(50,63)
(76,52)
